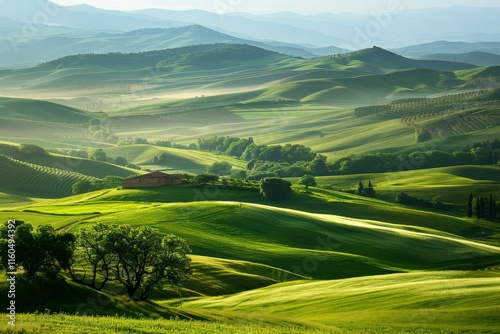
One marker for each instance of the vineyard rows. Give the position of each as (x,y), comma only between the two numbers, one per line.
(461,124)
(424,106)
(35,180)
(11,127)
(74,90)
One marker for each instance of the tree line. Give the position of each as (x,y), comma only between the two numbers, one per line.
(486,153)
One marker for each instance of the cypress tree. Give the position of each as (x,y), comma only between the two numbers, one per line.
(360,188)
(482,214)
(492,209)
(478,207)
(469,206)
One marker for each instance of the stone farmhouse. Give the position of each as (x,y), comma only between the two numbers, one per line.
(152,180)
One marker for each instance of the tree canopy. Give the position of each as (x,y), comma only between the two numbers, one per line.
(275,188)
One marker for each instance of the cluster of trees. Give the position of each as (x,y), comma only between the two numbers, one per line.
(29,150)
(259,169)
(138,258)
(246,149)
(101,133)
(482,154)
(85,186)
(225,145)
(220,168)
(406,199)
(485,208)
(366,191)
(101,155)
(42,251)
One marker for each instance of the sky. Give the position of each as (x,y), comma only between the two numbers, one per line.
(272,6)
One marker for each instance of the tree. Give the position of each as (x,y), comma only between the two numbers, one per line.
(275,188)
(478,207)
(205,178)
(42,252)
(318,165)
(469,206)
(136,257)
(220,168)
(369,191)
(307,180)
(121,161)
(360,188)
(99,155)
(492,209)
(82,187)
(30,150)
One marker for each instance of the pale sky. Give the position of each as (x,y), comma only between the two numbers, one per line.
(273,6)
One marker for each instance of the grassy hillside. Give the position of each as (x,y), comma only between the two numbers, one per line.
(22,178)
(282,237)
(449,185)
(48,176)
(43,111)
(439,302)
(190,161)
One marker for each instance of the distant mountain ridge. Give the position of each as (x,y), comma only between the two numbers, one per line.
(477,58)
(147,39)
(298,35)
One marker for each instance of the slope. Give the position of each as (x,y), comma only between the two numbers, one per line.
(417,302)
(295,241)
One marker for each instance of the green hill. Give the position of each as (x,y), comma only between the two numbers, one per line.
(439,302)
(42,111)
(22,178)
(207,56)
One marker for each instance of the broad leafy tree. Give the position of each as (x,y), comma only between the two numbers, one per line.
(139,258)
(308,180)
(42,252)
(205,178)
(275,188)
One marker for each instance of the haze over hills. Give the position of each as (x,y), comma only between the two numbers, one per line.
(45,30)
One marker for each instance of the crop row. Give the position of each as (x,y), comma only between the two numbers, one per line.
(411,107)
(79,90)
(38,129)
(35,180)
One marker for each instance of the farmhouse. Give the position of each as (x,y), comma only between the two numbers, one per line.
(151,180)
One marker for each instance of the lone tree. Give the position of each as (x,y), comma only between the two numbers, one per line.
(274,188)
(307,180)
(136,257)
(42,252)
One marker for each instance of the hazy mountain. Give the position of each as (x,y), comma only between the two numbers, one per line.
(38,30)
(477,58)
(385,59)
(422,50)
(206,56)
(71,43)
(34,12)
